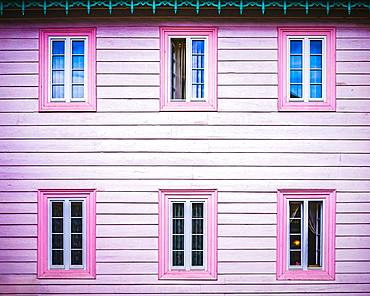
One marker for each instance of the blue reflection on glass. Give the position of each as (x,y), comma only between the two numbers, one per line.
(198,46)
(77,91)
(58,77)
(295,76)
(316,62)
(296,62)
(316,91)
(77,76)
(57,91)
(77,62)
(58,62)
(198,62)
(296,46)
(78,47)
(315,76)
(315,46)
(57,47)
(296,91)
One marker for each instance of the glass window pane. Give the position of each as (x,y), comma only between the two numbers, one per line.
(295,76)
(296,46)
(296,62)
(178,242)
(197,226)
(78,47)
(78,91)
(57,257)
(58,62)
(315,76)
(197,210)
(316,91)
(178,68)
(197,242)
(58,77)
(76,209)
(295,209)
(57,225)
(57,91)
(178,210)
(57,241)
(178,258)
(296,91)
(314,233)
(57,209)
(76,257)
(198,61)
(197,258)
(76,225)
(178,226)
(76,241)
(57,47)
(315,47)
(198,46)
(78,62)
(316,62)
(295,258)
(77,76)
(295,226)
(295,242)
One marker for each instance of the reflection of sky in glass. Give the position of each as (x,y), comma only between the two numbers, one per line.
(58,77)
(295,76)
(57,66)
(315,76)
(296,90)
(316,68)
(296,65)
(57,91)
(296,46)
(58,47)
(316,61)
(78,47)
(296,62)
(198,68)
(77,91)
(316,47)
(77,62)
(77,76)
(316,91)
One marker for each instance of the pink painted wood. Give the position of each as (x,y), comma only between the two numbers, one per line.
(329,222)
(44,75)
(210,273)
(42,228)
(165,102)
(283,102)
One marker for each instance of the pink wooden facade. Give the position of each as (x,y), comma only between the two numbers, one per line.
(128,150)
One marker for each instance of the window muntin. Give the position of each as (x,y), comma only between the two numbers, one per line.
(305,239)
(306,62)
(68,69)
(187,235)
(189,70)
(67,234)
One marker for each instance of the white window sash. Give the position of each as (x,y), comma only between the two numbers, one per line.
(306,96)
(304,235)
(68,69)
(187,234)
(66,233)
(189,72)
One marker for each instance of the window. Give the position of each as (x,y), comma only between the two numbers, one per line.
(67,70)
(306,234)
(306,69)
(66,228)
(188,69)
(188,234)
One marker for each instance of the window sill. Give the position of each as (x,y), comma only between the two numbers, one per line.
(70,274)
(188,106)
(188,275)
(67,107)
(306,275)
(304,106)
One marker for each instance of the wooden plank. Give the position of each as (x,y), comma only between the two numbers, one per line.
(247,230)
(126,230)
(353,56)
(353,92)
(247,43)
(245,31)
(247,79)
(252,67)
(19,68)
(353,207)
(18,243)
(127,256)
(350,218)
(18,230)
(6,32)
(19,56)
(247,55)
(127,67)
(247,91)
(14,80)
(14,219)
(18,256)
(125,219)
(17,268)
(127,79)
(18,208)
(348,68)
(353,43)
(353,242)
(127,55)
(127,43)
(128,92)
(24,92)
(353,79)
(16,43)
(118,31)
(124,243)
(353,32)
(354,229)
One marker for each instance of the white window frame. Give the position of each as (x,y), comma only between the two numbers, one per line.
(189,50)
(68,69)
(304,235)
(188,234)
(67,233)
(306,97)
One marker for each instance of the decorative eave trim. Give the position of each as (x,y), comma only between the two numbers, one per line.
(242,5)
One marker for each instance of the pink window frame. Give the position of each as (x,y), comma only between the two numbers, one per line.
(42,229)
(44,104)
(165,102)
(164,271)
(328,271)
(283,101)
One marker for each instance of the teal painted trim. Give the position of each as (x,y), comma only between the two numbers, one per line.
(264,5)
